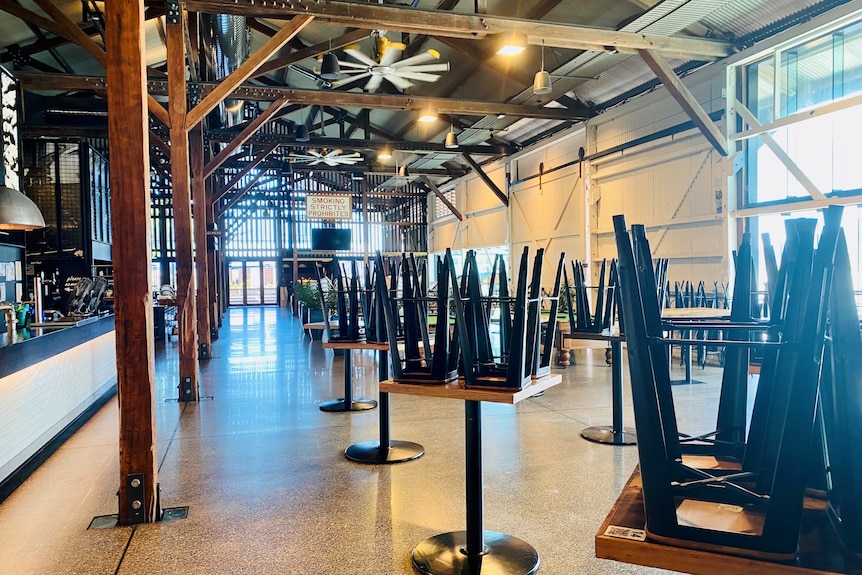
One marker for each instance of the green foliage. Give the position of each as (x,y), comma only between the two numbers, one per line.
(308,294)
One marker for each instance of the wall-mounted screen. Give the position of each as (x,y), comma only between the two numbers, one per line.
(330,239)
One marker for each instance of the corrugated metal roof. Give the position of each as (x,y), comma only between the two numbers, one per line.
(741,18)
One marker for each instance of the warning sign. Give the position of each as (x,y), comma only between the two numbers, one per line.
(328,207)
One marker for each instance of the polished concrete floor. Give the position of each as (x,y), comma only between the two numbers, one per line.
(269,490)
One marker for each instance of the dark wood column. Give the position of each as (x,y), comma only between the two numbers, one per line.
(133,304)
(181,188)
(196,152)
(212,259)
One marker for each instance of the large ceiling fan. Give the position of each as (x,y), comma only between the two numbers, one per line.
(388,67)
(334,157)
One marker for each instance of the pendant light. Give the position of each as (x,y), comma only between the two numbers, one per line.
(18,212)
(330,69)
(451,138)
(385,153)
(542,80)
(302,133)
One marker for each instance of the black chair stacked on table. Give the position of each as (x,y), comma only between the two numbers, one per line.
(753,507)
(841,409)
(348,297)
(581,318)
(405,313)
(369,304)
(526,358)
(686,295)
(499,299)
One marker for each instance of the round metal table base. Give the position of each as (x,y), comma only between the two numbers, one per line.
(341,405)
(686,382)
(373,452)
(504,555)
(606,434)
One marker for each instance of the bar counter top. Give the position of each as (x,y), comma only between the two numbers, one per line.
(43,340)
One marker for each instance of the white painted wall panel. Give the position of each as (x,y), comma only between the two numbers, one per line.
(674,185)
(487,229)
(477,195)
(444,235)
(37,402)
(650,114)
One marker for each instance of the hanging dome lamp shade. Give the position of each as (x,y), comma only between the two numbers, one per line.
(18,212)
(542,83)
(302,133)
(329,67)
(542,79)
(451,140)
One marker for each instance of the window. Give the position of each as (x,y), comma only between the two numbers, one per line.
(817,71)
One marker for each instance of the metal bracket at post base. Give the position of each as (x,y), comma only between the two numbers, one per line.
(203,351)
(137,509)
(187,392)
(172,13)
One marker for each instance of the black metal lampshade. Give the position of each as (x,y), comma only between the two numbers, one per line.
(302,133)
(329,68)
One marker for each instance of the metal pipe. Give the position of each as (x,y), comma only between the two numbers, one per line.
(11,320)
(37,298)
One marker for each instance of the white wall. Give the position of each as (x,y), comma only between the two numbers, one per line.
(675,186)
(37,402)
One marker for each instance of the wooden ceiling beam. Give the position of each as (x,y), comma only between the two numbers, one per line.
(473,26)
(245,70)
(325,97)
(298,55)
(70,30)
(685,99)
(33,18)
(63,26)
(250,130)
(442,197)
(359,145)
(272,164)
(488,181)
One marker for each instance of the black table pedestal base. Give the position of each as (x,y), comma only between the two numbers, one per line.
(443,554)
(686,382)
(341,405)
(373,452)
(606,434)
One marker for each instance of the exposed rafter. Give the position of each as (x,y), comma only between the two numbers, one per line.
(472,26)
(245,70)
(686,100)
(485,178)
(324,97)
(441,196)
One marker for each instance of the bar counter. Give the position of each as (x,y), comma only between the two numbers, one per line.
(50,382)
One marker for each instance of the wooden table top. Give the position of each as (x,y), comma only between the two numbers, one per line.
(374,345)
(456,390)
(620,538)
(671,313)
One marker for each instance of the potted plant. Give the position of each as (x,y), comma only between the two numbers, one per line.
(308,295)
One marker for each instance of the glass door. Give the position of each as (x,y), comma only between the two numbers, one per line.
(253,285)
(252,282)
(270,283)
(236,283)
